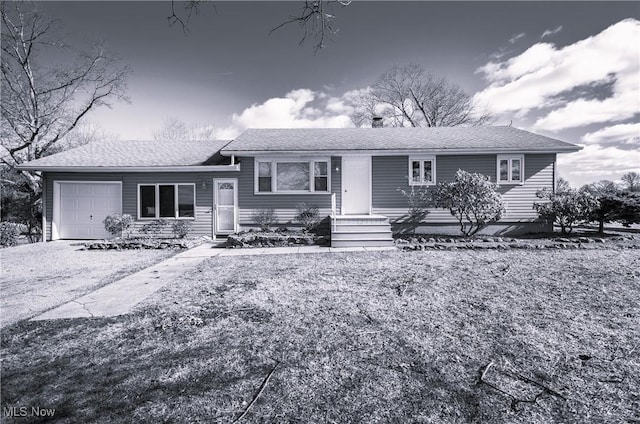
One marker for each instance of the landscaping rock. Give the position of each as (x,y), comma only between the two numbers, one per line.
(280,238)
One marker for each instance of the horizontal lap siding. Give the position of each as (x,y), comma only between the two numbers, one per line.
(202,225)
(390,175)
(519,199)
(284,205)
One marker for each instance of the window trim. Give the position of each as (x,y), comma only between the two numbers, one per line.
(422,159)
(157,201)
(509,158)
(274,175)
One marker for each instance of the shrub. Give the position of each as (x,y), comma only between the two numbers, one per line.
(308,216)
(9,232)
(154,227)
(419,201)
(620,206)
(472,199)
(181,228)
(20,204)
(566,208)
(118,224)
(265,218)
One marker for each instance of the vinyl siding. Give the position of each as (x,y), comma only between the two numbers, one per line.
(390,175)
(284,205)
(248,202)
(201,225)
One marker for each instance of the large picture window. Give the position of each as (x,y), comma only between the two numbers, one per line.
(422,170)
(292,176)
(166,201)
(510,169)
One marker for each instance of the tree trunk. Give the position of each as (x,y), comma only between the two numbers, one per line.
(601,226)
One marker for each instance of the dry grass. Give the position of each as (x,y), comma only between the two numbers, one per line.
(359,337)
(37,277)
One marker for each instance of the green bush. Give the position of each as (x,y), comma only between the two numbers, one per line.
(154,227)
(566,208)
(472,199)
(181,228)
(117,224)
(308,216)
(419,200)
(9,232)
(265,218)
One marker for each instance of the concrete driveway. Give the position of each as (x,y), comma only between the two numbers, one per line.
(37,277)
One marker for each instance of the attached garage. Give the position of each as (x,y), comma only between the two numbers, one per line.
(80,208)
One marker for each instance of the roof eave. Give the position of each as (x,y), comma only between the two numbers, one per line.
(184,168)
(393,152)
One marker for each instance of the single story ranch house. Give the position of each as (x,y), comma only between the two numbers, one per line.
(354,175)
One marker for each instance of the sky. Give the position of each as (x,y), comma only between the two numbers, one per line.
(568,70)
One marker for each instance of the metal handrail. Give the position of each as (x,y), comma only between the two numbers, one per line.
(334,207)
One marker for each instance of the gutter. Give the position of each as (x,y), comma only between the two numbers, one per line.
(395,152)
(197,168)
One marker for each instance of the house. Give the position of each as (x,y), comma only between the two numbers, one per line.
(352,174)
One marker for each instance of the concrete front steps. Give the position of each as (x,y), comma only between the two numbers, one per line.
(361,231)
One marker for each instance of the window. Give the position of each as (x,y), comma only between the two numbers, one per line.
(321,176)
(422,170)
(510,169)
(292,176)
(166,200)
(264,176)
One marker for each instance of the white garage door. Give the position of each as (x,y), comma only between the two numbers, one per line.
(83,207)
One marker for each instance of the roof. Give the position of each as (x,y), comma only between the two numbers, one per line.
(135,154)
(437,139)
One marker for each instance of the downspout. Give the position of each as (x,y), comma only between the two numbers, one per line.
(555,172)
(43,197)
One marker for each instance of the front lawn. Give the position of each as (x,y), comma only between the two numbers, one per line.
(40,276)
(428,336)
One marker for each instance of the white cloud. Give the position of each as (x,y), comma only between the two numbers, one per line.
(302,108)
(516,37)
(533,79)
(548,32)
(624,135)
(594,163)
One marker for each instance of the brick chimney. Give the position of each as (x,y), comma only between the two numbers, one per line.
(376,122)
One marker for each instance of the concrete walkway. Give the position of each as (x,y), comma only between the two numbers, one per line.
(121,296)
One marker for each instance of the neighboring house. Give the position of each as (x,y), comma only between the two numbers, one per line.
(354,174)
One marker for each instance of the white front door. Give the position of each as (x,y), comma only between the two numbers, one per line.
(225,198)
(356,185)
(81,208)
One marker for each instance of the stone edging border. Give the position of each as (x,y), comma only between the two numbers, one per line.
(500,243)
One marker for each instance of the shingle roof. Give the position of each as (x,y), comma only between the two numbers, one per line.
(488,138)
(135,153)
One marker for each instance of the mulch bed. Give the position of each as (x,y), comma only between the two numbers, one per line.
(251,239)
(505,243)
(145,243)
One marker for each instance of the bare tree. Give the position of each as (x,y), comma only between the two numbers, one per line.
(85,132)
(190,7)
(601,187)
(408,95)
(315,18)
(40,105)
(173,129)
(562,185)
(632,181)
